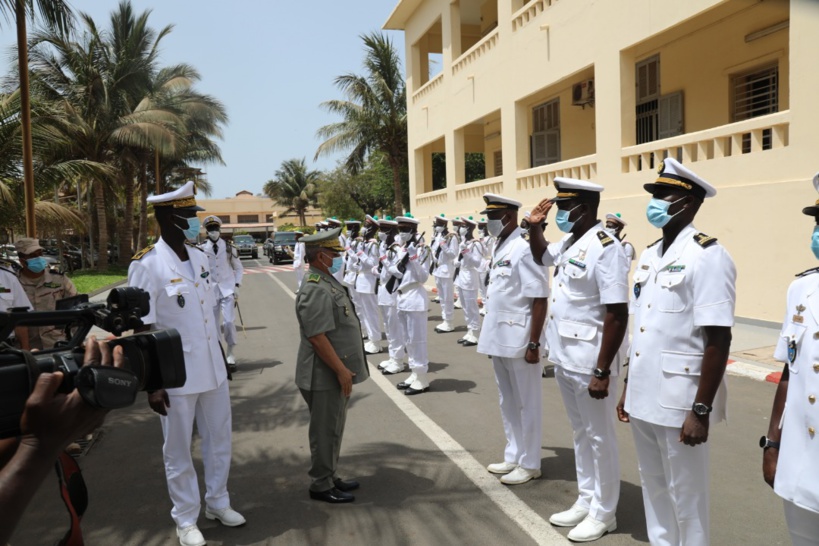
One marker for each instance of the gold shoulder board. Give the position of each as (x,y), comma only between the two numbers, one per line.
(143,252)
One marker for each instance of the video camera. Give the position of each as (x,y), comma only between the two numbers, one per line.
(153,360)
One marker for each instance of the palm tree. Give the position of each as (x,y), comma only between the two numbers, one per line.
(294,187)
(374,113)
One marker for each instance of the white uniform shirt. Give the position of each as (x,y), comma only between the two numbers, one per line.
(589,274)
(367,256)
(298,255)
(445,266)
(797,473)
(412,295)
(388,255)
(472,257)
(340,274)
(674,297)
(225,266)
(514,281)
(11,292)
(183,300)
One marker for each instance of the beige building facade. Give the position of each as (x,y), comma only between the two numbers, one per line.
(604,90)
(254,214)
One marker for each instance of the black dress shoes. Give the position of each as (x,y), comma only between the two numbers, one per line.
(410,391)
(403,385)
(461,341)
(333,496)
(468,343)
(346,485)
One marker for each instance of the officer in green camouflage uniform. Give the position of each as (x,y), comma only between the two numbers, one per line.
(330,361)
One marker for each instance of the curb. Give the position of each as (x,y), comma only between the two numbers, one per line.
(753,371)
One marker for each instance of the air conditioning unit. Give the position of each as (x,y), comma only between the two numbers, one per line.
(583,93)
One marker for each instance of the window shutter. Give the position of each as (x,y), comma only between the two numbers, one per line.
(498,155)
(553,146)
(671,115)
(539,156)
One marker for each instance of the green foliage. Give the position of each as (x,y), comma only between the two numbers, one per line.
(294,187)
(352,196)
(307,230)
(474,167)
(87,280)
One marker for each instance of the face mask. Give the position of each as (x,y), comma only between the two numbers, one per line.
(382,236)
(213,235)
(610,231)
(405,236)
(439,229)
(36,265)
(193,227)
(495,227)
(462,231)
(562,220)
(814,242)
(657,212)
(335,267)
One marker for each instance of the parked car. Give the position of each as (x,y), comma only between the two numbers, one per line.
(246,246)
(282,240)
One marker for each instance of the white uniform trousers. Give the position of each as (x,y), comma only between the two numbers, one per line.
(299,276)
(226,305)
(596,456)
(519,387)
(395,333)
(803,525)
(472,313)
(368,313)
(211,411)
(675,485)
(414,326)
(446,291)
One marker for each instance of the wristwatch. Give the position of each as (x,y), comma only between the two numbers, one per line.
(601,374)
(701,409)
(766,442)
(533,345)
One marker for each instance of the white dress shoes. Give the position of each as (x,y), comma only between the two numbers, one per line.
(444,327)
(591,529)
(569,518)
(227,516)
(372,348)
(501,468)
(190,536)
(393,367)
(520,475)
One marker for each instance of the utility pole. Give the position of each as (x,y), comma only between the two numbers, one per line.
(25,118)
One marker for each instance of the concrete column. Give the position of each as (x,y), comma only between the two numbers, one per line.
(451,30)
(613,113)
(804,78)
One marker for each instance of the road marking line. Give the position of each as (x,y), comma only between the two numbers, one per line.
(510,504)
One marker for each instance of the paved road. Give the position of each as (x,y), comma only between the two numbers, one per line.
(418,486)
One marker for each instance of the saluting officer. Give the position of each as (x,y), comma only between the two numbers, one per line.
(226,273)
(512,335)
(683,304)
(43,287)
(587,323)
(614,226)
(13,295)
(176,274)
(792,435)
(330,361)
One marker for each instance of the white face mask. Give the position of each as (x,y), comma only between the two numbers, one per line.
(213,236)
(439,229)
(495,227)
(403,237)
(382,236)
(463,231)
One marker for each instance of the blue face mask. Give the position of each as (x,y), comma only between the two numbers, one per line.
(335,267)
(36,265)
(657,212)
(562,220)
(814,242)
(193,227)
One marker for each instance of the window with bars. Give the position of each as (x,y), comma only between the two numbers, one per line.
(545,145)
(248,219)
(498,160)
(755,94)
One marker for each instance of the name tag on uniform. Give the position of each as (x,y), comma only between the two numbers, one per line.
(4,290)
(173,281)
(503,263)
(577,263)
(675,268)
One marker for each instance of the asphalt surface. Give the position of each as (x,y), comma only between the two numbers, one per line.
(418,485)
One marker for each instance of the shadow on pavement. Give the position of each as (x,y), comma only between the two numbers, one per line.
(458,386)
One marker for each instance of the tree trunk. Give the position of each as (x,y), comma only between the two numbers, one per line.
(102,227)
(302,219)
(142,241)
(126,227)
(398,205)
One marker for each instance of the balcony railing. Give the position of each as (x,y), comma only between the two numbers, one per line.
(427,88)
(475,190)
(584,168)
(476,51)
(431,199)
(529,12)
(743,137)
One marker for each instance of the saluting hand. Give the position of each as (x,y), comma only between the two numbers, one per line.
(345,379)
(540,212)
(599,388)
(694,430)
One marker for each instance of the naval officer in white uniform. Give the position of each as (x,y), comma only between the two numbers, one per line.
(588,320)
(512,335)
(176,274)
(791,447)
(683,303)
(226,273)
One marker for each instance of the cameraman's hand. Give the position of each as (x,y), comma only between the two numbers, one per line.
(158,400)
(52,420)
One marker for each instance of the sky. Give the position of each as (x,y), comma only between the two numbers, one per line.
(271,62)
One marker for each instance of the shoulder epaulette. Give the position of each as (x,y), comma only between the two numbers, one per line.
(143,252)
(704,240)
(808,272)
(655,242)
(194,245)
(313,277)
(605,240)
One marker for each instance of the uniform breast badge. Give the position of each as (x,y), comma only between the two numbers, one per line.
(798,318)
(792,351)
(180,300)
(637,289)
(204,273)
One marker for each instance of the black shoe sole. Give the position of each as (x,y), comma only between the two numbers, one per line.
(412,392)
